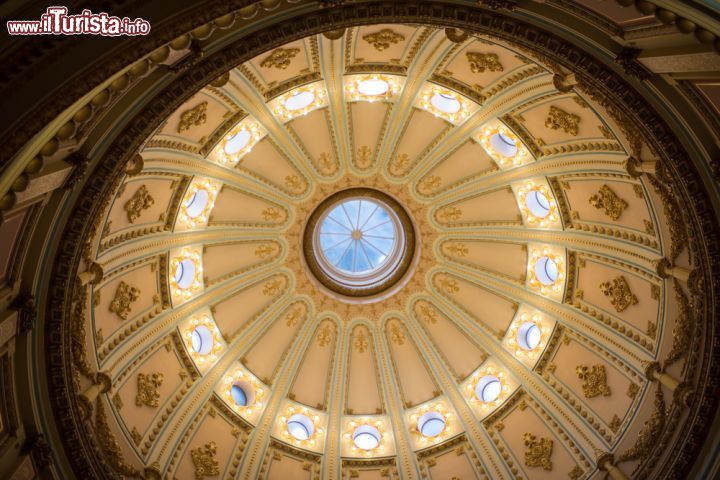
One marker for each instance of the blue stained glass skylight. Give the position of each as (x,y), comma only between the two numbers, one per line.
(358,236)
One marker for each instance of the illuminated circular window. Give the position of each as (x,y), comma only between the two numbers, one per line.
(299,100)
(373,87)
(237,142)
(185,273)
(503,144)
(366,437)
(239,395)
(359,242)
(431,424)
(202,340)
(546,270)
(528,336)
(445,103)
(537,203)
(488,388)
(300,427)
(196,203)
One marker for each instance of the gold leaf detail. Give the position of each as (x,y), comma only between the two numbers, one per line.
(615,423)
(361,343)
(457,249)
(538,452)
(560,119)
(272,287)
(479,62)
(381,40)
(594,380)
(99,337)
(117,401)
(280,58)
(324,335)
(651,330)
(576,472)
(136,437)
(649,227)
(619,292)
(326,163)
(638,189)
(125,295)
(265,250)
(193,117)
(427,313)
(400,163)
(292,317)
(450,213)
(632,390)
(294,183)
(608,200)
(655,292)
(430,184)
(271,214)
(203,459)
(396,334)
(141,200)
(147,386)
(363,156)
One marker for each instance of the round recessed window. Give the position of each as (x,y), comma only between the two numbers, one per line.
(359,242)
(366,437)
(488,388)
(373,87)
(299,100)
(445,102)
(528,336)
(202,340)
(503,144)
(431,424)
(537,203)
(546,270)
(300,427)
(237,142)
(239,395)
(185,273)
(196,203)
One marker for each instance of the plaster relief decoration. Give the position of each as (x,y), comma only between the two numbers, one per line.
(203,459)
(560,119)
(364,155)
(607,200)
(594,380)
(147,389)
(538,452)
(194,117)
(141,200)
(280,58)
(619,292)
(381,40)
(324,335)
(361,343)
(479,62)
(396,334)
(125,295)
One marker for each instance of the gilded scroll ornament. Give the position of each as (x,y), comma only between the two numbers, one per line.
(619,292)
(280,58)
(293,316)
(400,163)
(272,287)
(450,214)
(538,452)
(265,250)
(430,184)
(457,249)
(203,459)
(294,183)
(141,200)
(560,119)
(427,313)
(607,200)
(125,295)
(381,40)
(194,117)
(449,285)
(271,214)
(361,343)
(479,62)
(324,335)
(396,334)
(147,389)
(594,380)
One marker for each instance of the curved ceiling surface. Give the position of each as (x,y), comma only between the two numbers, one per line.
(532,283)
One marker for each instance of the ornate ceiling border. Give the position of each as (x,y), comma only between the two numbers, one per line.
(596,80)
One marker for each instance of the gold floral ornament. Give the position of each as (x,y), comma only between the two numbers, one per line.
(361,343)
(265,250)
(125,295)
(594,380)
(363,156)
(141,200)
(294,183)
(457,249)
(280,58)
(147,389)
(480,62)
(203,459)
(449,285)
(448,214)
(294,315)
(400,163)
(271,214)
(538,452)
(426,312)
(324,336)
(607,200)
(560,119)
(619,292)
(272,287)
(396,334)
(193,117)
(381,40)
(429,184)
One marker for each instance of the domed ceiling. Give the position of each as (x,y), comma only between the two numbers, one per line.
(523,279)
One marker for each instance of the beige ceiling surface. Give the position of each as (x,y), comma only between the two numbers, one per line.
(385,360)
